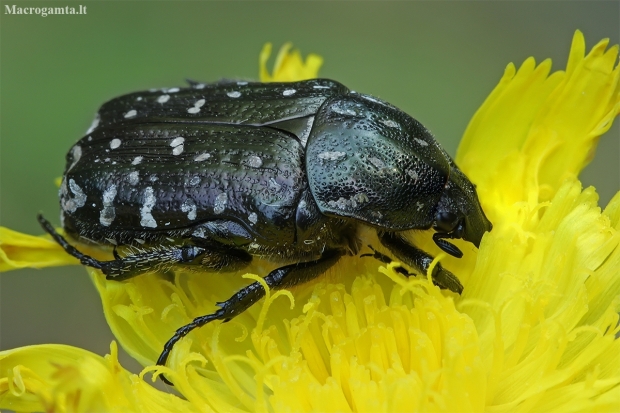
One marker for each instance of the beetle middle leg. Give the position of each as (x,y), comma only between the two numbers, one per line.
(283,277)
(194,252)
(420,260)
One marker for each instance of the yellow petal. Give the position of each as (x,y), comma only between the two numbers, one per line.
(19,250)
(58,378)
(537,129)
(289,65)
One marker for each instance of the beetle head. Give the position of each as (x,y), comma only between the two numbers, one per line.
(459,214)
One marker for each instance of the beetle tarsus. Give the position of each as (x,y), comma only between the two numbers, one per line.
(70,249)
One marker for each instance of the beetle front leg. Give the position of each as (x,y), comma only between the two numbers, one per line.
(284,277)
(421,261)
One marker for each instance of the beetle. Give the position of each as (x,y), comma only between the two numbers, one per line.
(211,175)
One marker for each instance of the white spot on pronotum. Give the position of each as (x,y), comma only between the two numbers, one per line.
(331,156)
(202,157)
(134,178)
(189,206)
(76,154)
(132,113)
(146,218)
(420,142)
(413,174)
(274,184)
(115,143)
(68,203)
(220,203)
(139,98)
(378,163)
(106,160)
(163,98)
(389,122)
(255,161)
(108,213)
(194,181)
(320,87)
(93,125)
(137,160)
(173,90)
(253,217)
(153,178)
(177,144)
(289,92)
(234,94)
(199,86)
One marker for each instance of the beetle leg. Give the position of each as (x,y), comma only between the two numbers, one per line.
(283,277)
(421,261)
(386,260)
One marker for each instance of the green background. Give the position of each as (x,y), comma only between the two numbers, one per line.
(435,60)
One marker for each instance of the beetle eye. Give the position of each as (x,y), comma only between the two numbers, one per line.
(445,221)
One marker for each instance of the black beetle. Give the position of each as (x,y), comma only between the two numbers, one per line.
(211,175)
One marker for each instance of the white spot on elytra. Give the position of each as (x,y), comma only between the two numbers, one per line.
(331,156)
(413,174)
(189,206)
(115,143)
(255,161)
(242,83)
(76,154)
(199,103)
(112,241)
(199,86)
(108,213)
(93,125)
(139,98)
(134,178)
(220,203)
(163,98)
(137,160)
(289,92)
(320,87)
(253,217)
(139,240)
(420,142)
(177,144)
(194,181)
(132,113)
(419,205)
(173,90)
(70,204)
(146,218)
(234,94)
(202,157)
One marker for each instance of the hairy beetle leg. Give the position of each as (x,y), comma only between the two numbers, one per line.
(421,261)
(283,277)
(386,260)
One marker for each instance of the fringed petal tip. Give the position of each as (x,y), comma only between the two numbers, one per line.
(289,65)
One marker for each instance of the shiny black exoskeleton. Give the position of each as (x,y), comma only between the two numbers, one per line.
(211,175)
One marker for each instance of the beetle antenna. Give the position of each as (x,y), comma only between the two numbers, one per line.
(70,249)
(446,246)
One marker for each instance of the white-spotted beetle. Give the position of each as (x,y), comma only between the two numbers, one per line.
(211,175)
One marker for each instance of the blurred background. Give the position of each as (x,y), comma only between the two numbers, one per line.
(435,60)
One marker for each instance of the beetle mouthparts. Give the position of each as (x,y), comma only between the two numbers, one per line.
(446,246)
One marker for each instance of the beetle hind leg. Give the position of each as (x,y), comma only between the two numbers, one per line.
(283,277)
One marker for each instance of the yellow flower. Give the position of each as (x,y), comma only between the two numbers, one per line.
(533,331)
